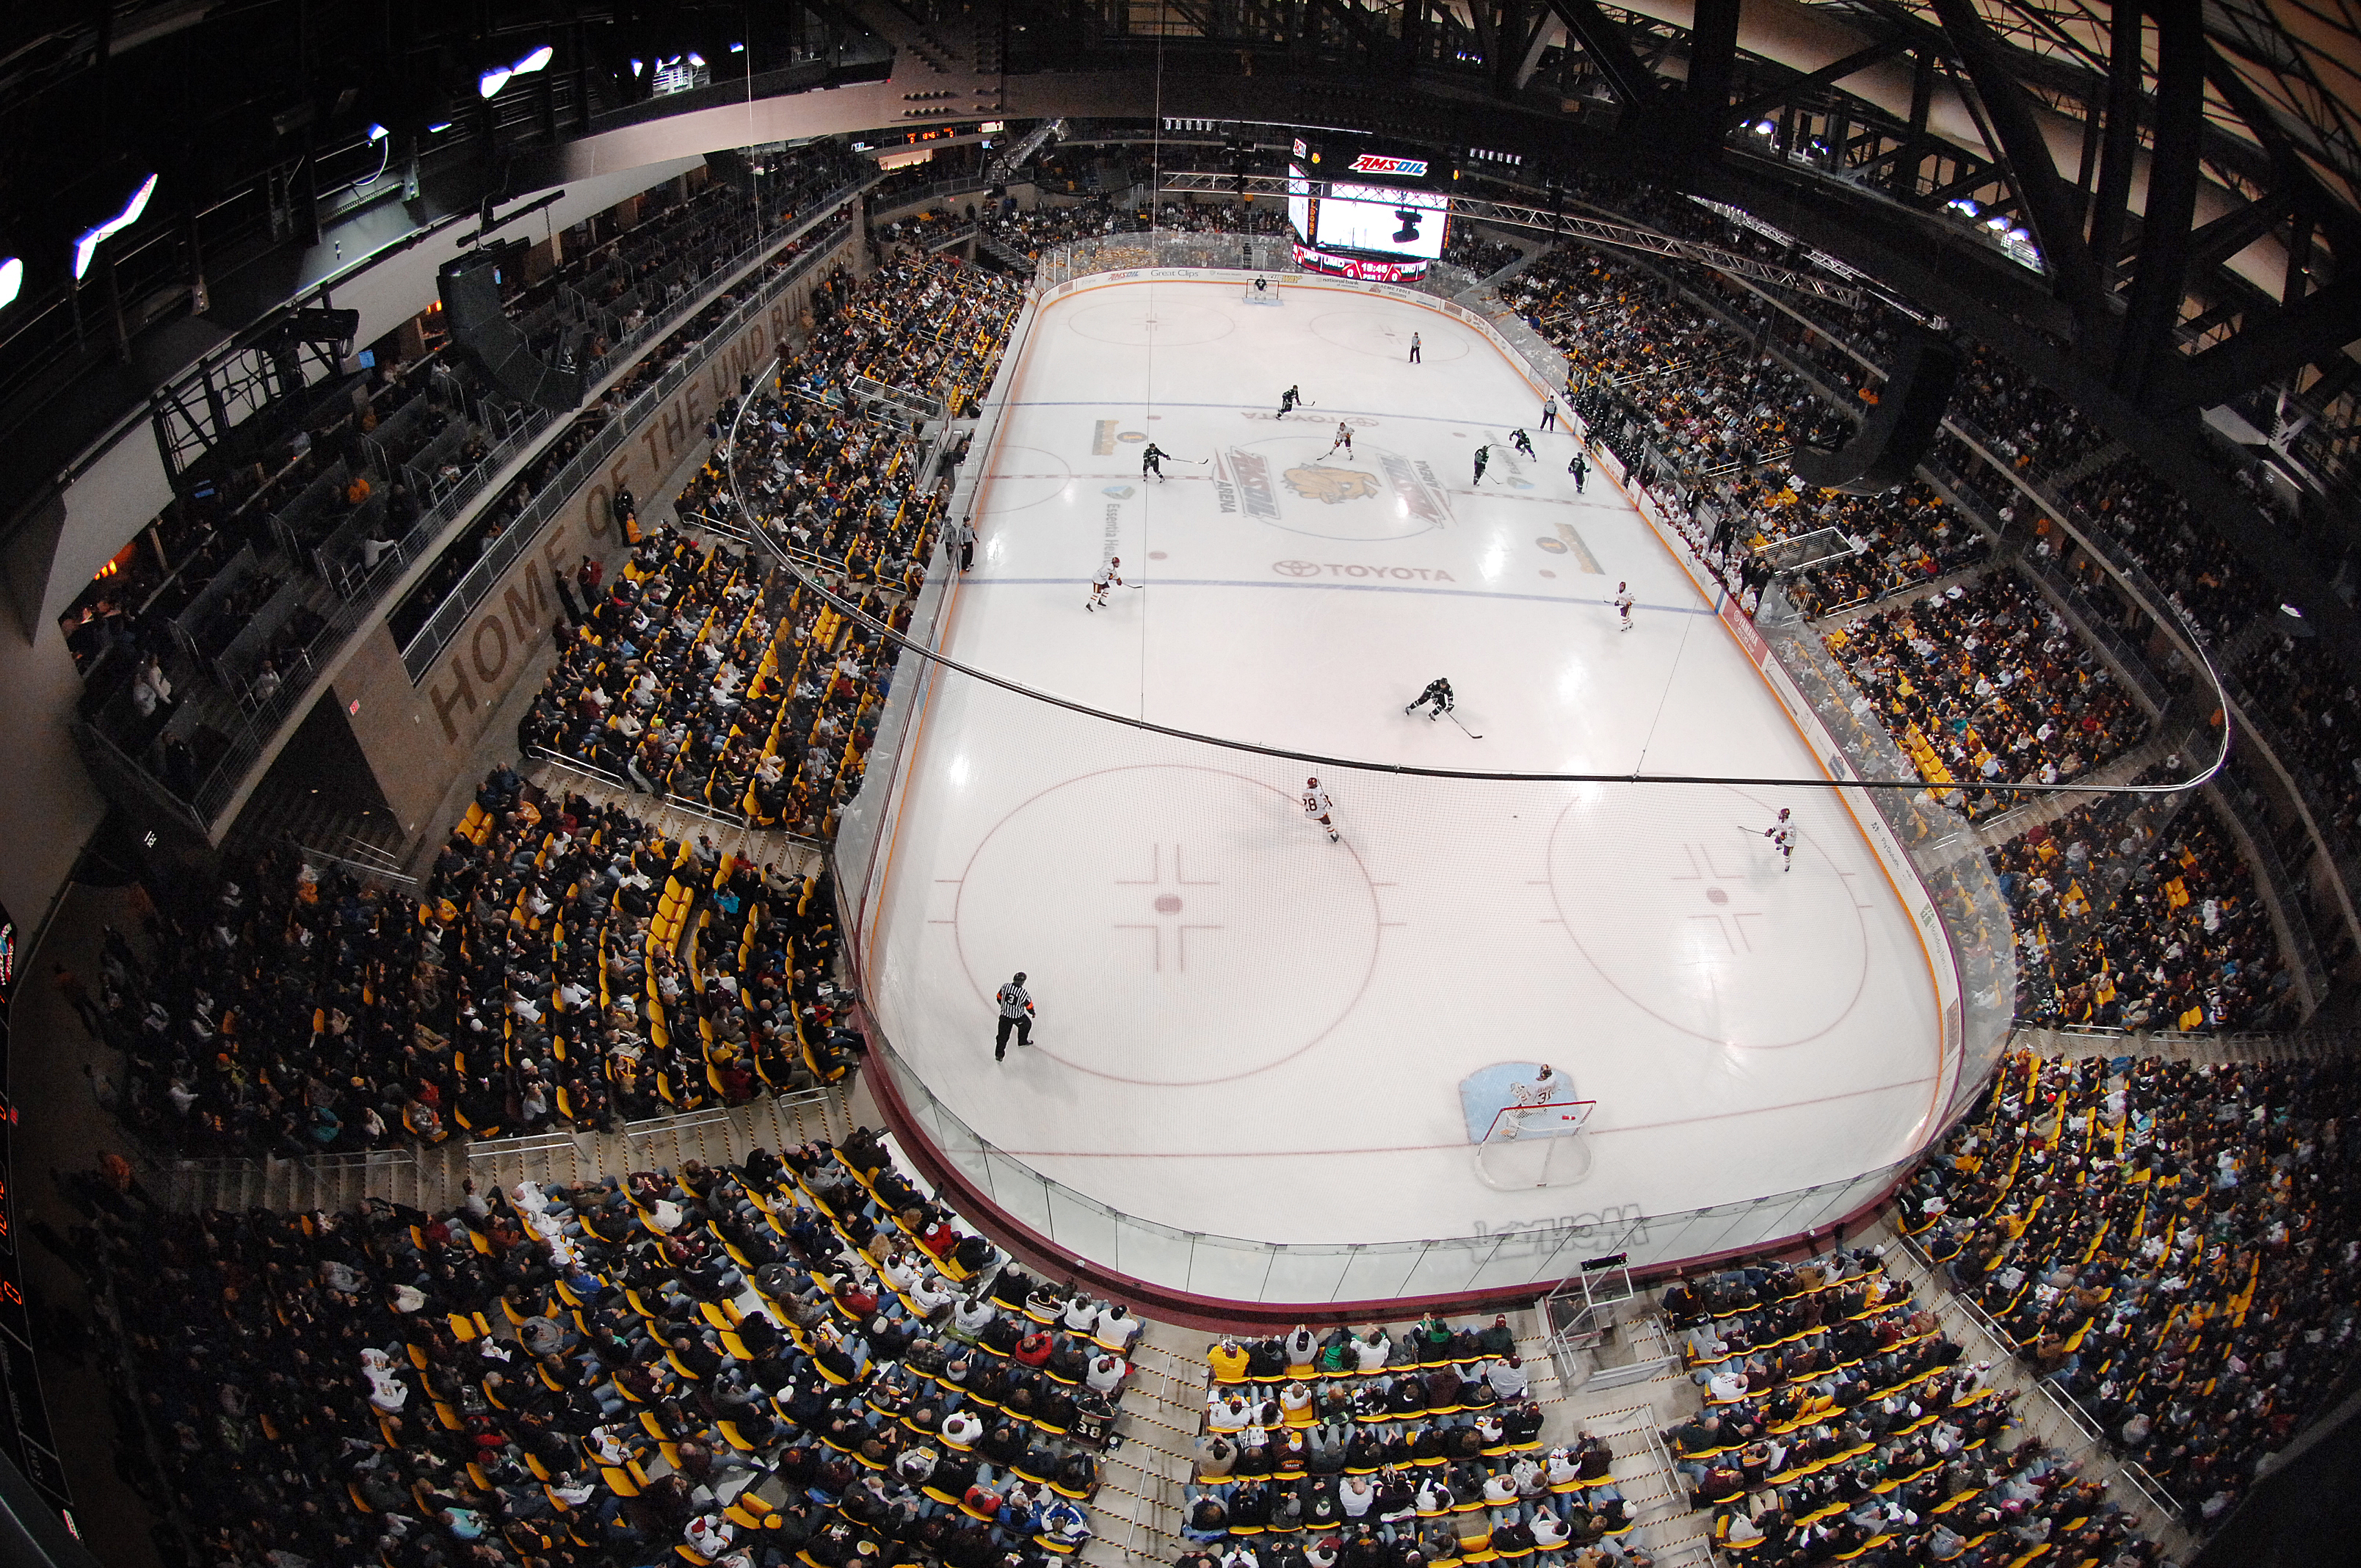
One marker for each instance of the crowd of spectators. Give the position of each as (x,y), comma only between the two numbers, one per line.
(1659,376)
(2173,1243)
(699,675)
(1463,246)
(2139,912)
(1406,1446)
(2318,733)
(799,1361)
(1984,682)
(2293,683)
(565,968)
(505,513)
(1839,1423)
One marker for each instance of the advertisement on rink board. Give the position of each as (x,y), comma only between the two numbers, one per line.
(1364,269)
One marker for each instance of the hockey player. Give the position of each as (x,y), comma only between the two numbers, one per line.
(1288,400)
(1413,348)
(1521,441)
(1782,835)
(1525,1097)
(1151,461)
(1580,470)
(1623,603)
(1108,577)
(1317,806)
(1438,692)
(1483,455)
(1343,439)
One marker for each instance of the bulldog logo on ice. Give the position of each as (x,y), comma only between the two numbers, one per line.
(1321,483)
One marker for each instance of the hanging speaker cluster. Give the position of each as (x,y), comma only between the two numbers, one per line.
(1897,432)
(470,288)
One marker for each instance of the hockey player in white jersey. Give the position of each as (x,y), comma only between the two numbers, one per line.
(1623,603)
(1343,441)
(1109,576)
(1318,807)
(1782,835)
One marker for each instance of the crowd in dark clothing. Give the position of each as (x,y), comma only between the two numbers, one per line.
(2123,921)
(1841,1423)
(799,1361)
(1986,681)
(289,1012)
(1655,376)
(2174,1242)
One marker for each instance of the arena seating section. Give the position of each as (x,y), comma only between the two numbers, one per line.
(714,676)
(2174,1244)
(1424,1435)
(1652,367)
(265,549)
(1986,681)
(565,968)
(2125,924)
(799,1359)
(1840,1424)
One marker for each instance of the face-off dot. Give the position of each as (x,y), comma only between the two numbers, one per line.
(1167,905)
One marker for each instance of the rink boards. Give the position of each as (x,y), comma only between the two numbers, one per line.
(1245,1031)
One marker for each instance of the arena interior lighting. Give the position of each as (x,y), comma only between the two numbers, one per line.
(492,81)
(87,246)
(12,279)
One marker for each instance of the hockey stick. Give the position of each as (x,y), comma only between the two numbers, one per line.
(1463,729)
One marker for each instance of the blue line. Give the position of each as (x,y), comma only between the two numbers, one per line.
(1355,587)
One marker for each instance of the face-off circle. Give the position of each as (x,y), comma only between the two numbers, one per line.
(1164,323)
(1202,889)
(1383,334)
(1690,916)
(1029,477)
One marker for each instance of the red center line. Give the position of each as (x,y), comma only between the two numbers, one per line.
(1423,1148)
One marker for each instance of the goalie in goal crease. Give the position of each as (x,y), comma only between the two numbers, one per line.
(1531,1100)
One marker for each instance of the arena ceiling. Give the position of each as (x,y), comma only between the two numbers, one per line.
(2151,208)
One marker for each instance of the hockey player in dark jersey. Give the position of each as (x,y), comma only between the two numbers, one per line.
(1438,692)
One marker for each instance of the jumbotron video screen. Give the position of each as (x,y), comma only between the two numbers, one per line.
(1362,214)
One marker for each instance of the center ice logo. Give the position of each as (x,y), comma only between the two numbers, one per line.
(1319,483)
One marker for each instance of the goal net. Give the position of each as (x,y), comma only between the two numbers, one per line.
(1262,291)
(1548,1119)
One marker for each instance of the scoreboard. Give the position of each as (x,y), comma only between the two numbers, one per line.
(1360,212)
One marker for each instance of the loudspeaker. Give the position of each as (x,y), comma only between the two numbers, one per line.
(470,288)
(1897,433)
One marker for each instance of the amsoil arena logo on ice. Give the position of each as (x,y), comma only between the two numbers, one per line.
(1254,485)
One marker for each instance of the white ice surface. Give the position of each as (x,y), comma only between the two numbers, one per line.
(1247,1030)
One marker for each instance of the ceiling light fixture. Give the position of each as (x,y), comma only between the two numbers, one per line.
(87,244)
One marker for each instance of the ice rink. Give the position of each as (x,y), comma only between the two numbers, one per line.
(1249,1031)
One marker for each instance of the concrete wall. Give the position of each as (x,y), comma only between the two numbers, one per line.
(415,736)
